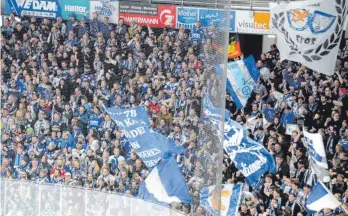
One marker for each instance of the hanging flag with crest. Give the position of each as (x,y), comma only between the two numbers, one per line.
(309,32)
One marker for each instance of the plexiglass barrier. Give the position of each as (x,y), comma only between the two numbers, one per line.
(19,198)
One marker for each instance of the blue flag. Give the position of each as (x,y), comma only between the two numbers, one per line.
(344,143)
(287,118)
(269,113)
(165,184)
(250,158)
(230,197)
(242,76)
(151,147)
(212,115)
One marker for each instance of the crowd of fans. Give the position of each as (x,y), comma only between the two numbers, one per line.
(58,75)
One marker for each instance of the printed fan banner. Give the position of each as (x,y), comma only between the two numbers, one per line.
(309,32)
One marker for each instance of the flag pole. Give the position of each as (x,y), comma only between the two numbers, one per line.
(344,208)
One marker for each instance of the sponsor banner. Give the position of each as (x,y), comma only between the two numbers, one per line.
(249,22)
(36,8)
(104,8)
(152,15)
(79,8)
(186,17)
(218,17)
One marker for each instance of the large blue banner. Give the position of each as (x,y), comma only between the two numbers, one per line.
(36,8)
(186,17)
(151,147)
(217,17)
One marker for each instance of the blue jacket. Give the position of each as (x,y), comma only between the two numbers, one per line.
(94,122)
(105,29)
(67,143)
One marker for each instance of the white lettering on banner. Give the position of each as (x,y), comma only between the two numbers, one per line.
(135,145)
(187,13)
(255,166)
(129,122)
(134,133)
(132,113)
(124,6)
(149,153)
(136,8)
(141,20)
(212,15)
(119,123)
(38,5)
(150,8)
(75,8)
(152,163)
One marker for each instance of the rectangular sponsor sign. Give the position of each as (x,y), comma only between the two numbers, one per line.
(252,22)
(105,8)
(146,14)
(209,17)
(36,8)
(186,17)
(79,8)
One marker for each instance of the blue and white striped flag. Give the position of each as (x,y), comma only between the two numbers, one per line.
(320,198)
(230,198)
(316,149)
(242,76)
(165,184)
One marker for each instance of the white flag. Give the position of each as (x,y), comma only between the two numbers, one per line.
(309,32)
(315,148)
(251,122)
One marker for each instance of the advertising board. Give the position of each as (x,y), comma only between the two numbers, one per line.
(105,8)
(252,22)
(79,8)
(36,8)
(146,14)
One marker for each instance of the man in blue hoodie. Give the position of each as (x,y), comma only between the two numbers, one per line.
(95,119)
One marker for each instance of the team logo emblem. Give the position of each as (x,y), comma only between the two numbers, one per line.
(318,22)
(298,19)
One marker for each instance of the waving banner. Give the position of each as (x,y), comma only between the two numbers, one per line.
(250,158)
(151,147)
(165,184)
(241,78)
(309,32)
(320,198)
(316,149)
